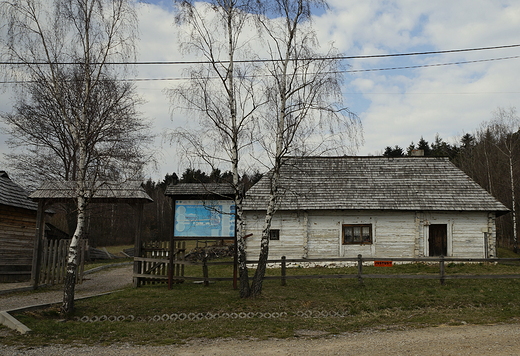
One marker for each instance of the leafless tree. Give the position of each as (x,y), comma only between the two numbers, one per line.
(291,99)
(221,94)
(505,132)
(490,157)
(305,115)
(66,46)
(42,146)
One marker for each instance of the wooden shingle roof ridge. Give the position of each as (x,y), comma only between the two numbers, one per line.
(224,190)
(374,183)
(11,194)
(108,190)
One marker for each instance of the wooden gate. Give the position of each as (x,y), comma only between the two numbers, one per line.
(152,266)
(54,261)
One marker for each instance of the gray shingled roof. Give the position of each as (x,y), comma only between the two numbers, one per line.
(12,194)
(374,183)
(126,191)
(200,189)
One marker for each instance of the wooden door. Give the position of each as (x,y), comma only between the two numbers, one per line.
(438,240)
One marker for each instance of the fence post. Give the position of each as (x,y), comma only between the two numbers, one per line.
(441,267)
(205,271)
(284,266)
(183,256)
(360,269)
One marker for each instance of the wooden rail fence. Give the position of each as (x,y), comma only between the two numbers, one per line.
(360,262)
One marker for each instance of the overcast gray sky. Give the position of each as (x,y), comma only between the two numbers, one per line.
(395,106)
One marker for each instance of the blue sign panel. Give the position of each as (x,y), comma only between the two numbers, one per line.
(197,218)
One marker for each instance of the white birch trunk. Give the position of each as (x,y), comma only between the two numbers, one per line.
(241,246)
(80,136)
(256,287)
(282,142)
(257,284)
(72,260)
(513,202)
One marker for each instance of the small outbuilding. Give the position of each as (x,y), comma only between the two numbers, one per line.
(374,206)
(17,230)
(49,193)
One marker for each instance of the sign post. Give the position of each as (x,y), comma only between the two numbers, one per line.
(202,219)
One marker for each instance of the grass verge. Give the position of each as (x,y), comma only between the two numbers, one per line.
(377,304)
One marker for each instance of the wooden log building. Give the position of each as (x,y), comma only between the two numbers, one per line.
(17,231)
(128,192)
(374,206)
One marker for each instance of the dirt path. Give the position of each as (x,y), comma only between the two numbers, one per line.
(96,283)
(487,340)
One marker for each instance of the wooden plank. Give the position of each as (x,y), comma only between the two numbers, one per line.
(17,272)
(61,262)
(482,276)
(149,276)
(44,263)
(137,242)
(38,240)
(149,259)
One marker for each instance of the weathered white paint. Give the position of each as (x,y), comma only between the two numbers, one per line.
(318,233)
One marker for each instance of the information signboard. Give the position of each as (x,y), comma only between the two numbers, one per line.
(198,218)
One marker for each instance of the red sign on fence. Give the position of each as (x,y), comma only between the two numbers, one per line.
(383,264)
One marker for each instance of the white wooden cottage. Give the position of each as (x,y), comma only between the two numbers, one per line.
(374,206)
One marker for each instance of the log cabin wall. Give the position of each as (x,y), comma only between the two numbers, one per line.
(17,231)
(374,206)
(319,234)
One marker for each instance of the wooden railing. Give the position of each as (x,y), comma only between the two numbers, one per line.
(359,262)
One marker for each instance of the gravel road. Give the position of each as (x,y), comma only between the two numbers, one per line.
(481,340)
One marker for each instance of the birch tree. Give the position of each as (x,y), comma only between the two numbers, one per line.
(291,98)
(490,157)
(505,128)
(305,114)
(221,94)
(53,42)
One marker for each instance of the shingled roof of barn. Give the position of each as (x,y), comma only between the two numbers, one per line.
(127,191)
(11,194)
(215,190)
(374,183)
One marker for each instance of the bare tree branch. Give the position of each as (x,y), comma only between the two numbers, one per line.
(85,118)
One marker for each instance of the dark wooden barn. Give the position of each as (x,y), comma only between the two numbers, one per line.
(17,230)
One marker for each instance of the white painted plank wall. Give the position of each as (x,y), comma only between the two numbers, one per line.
(468,238)
(395,234)
(291,240)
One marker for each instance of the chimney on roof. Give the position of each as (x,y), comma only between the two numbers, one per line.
(418,153)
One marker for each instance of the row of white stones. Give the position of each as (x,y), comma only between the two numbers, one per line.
(210,316)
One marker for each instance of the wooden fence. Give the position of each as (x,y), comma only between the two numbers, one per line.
(54,261)
(153,264)
(359,262)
